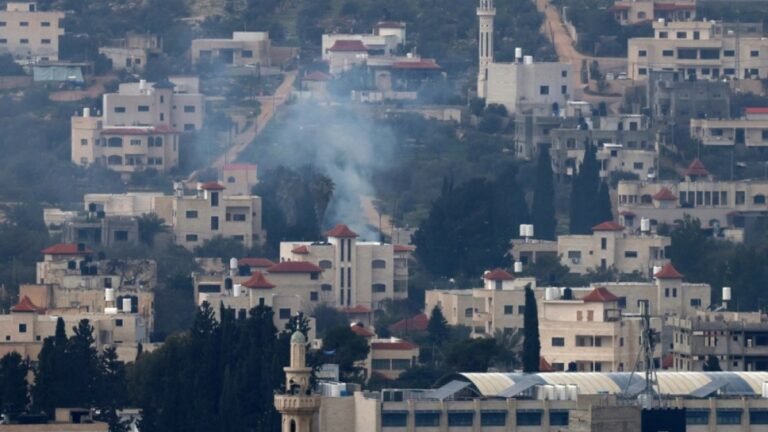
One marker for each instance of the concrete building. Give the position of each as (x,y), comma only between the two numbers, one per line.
(100,230)
(698,195)
(750,131)
(631,12)
(576,402)
(245,48)
(297,405)
(391,357)
(132,52)
(30,35)
(674,99)
(592,334)
(240,178)
(65,420)
(140,127)
(738,340)
(384,41)
(701,50)
(70,278)
(523,87)
(344,54)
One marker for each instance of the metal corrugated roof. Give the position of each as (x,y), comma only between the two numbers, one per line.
(447,390)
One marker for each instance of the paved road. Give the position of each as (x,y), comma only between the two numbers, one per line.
(269,105)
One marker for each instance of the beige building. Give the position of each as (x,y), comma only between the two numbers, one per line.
(750,131)
(140,127)
(591,334)
(699,195)
(132,52)
(701,50)
(240,178)
(631,12)
(30,35)
(391,357)
(245,48)
(527,87)
(382,43)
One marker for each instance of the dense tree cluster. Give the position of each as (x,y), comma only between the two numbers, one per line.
(543,207)
(590,196)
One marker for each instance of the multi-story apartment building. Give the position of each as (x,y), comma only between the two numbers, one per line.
(739,340)
(245,48)
(631,12)
(749,131)
(140,126)
(71,277)
(676,100)
(391,357)
(592,334)
(699,195)
(701,50)
(528,87)
(610,246)
(132,52)
(30,35)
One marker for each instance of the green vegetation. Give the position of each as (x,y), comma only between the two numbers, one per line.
(531,342)
(543,206)
(590,198)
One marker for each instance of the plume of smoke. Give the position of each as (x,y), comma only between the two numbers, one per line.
(347,146)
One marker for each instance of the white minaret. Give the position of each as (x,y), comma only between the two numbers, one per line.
(297,405)
(485,13)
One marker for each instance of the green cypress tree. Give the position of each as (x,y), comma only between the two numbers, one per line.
(584,193)
(531,343)
(110,390)
(543,207)
(438,327)
(14,396)
(604,208)
(50,385)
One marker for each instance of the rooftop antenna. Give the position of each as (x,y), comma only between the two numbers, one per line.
(649,339)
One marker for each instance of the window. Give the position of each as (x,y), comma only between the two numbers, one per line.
(622,303)
(663,35)
(7,338)
(22,328)
(2,24)
(759,199)
(143,108)
(630,254)
(521,310)
(764,134)
(3,41)
(427,418)
(682,35)
(135,142)
(247,54)
(687,53)
(394,419)
(214,199)
(114,160)
(379,288)
(544,90)
(285,313)
(603,243)
(119,109)
(468,312)
(189,108)
(45,41)
(401,364)
(528,417)
(118,322)
(558,342)
(460,418)
(642,71)
(214,223)
(238,217)
(729,53)
(709,54)
(564,74)
(666,292)
(313,296)
(45,24)
(191,237)
(155,141)
(121,236)
(191,214)
(154,161)
(754,53)
(378,264)
(189,127)
(728,416)
(326,287)
(509,309)
(668,53)
(558,418)
(729,71)
(642,53)
(740,197)
(758,417)
(325,264)
(493,418)
(24,41)
(24,24)
(84,141)
(564,89)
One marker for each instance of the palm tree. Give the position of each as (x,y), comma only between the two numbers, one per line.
(510,347)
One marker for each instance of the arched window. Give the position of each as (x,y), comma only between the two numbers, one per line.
(646,199)
(114,142)
(759,199)
(114,160)
(293,425)
(379,264)
(325,264)
(468,312)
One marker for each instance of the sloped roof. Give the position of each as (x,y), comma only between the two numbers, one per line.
(256,262)
(668,272)
(348,46)
(416,323)
(361,331)
(258,281)
(498,275)
(394,346)
(213,186)
(294,267)
(402,248)
(756,110)
(341,231)
(25,305)
(600,295)
(66,249)
(544,365)
(696,168)
(664,194)
(300,250)
(608,226)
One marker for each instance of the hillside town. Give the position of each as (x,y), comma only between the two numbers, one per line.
(384,216)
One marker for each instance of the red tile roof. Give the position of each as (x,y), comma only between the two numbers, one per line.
(498,275)
(544,365)
(668,361)
(392,346)
(668,272)
(415,323)
(361,331)
(673,7)
(600,295)
(696,168)
(756,110)
(244,167)
(25,305)
(159,129)
(359,309)
(627,213)
(425,64)
(341,231)
(294,267)
(348,46)
(608,226)
(318,76)
(300,250)
(664,194)
(403,248)
(212,186)
(258,281)
(66,249)
(256,262)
